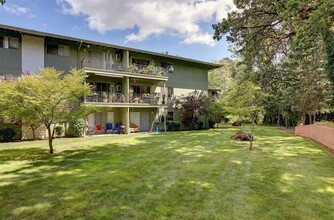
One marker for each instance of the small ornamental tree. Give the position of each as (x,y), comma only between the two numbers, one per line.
(46,97)
(216,111)
(192,107)
(245,101)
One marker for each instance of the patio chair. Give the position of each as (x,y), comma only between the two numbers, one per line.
(118,129)
(108,128)
(99,129)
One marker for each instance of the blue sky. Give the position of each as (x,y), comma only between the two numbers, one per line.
(181,27)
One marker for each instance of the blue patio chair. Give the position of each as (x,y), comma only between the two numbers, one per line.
(108,128)
(117,128)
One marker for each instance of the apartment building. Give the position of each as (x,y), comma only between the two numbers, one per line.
(137,85)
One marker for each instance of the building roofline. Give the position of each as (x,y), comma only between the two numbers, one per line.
(79,40)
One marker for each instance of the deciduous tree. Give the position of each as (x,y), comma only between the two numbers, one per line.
(246,102)
(48,97)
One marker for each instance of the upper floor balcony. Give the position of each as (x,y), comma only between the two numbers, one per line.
(141,71)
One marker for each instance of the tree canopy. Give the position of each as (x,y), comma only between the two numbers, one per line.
(47,97)
(288,50)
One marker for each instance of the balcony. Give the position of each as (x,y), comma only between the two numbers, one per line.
(124,99)
(134,69)
(99,64)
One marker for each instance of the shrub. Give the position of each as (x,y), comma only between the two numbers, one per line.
(59,129)
(197,125)
(173,126)
(76,127)
(8,134)
(211,123)
(17,127)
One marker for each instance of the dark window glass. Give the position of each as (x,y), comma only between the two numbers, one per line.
(140,62)
(140,90)
(52,49)
(170,116)
(13,43)
(1,41)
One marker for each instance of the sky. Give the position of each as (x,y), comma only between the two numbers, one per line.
(180,27)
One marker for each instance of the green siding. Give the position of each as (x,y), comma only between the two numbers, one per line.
(64,63)
(188,76)
(10,61)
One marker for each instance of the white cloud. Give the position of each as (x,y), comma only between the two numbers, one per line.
(151,18)
(16,10)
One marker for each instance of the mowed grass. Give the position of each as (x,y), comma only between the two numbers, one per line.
(178,175)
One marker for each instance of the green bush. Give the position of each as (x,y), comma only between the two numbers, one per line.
(76,127)
(211,123)
(173,126)
(8,134)
(59,129)
(15,126)
(197,125)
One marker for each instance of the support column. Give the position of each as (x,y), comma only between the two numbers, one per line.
(165,118)
(125,112)
(163,109)
(125,88)
(127,121)
(126,59)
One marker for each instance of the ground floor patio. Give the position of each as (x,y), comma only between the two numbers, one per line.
(125,120)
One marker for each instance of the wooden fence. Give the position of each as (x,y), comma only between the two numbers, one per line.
(322,134)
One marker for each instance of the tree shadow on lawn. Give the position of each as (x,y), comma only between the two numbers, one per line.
(160,174)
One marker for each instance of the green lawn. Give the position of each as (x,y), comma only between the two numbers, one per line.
(180,175)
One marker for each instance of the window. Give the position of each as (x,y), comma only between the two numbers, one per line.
(13,43)
(1,41)
(9,42)
(170,116)
(64,51)
(169,67)
(52,49)
(140,62)
(170,92)
(58,50)
(139,90)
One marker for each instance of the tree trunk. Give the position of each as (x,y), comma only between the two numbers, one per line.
(304,118)
(272,120)
(251,136)
(50,134)
(286,121)
(315,112)
(33,134)
(310,118)
(278,120)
